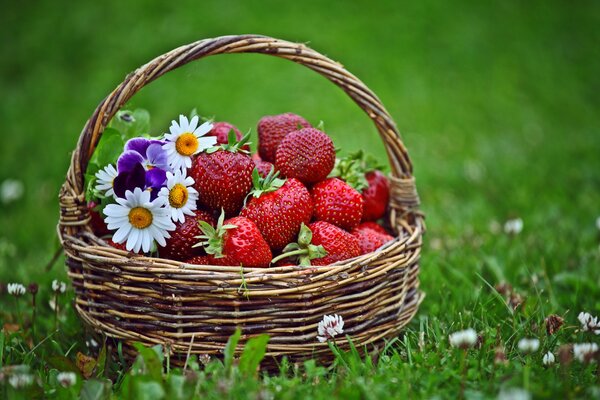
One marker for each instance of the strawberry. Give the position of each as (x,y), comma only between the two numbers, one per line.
(223,177)
(263,167)
(307,154)
(374,226)
(211,260)
(120,246)
(320,243)
(338,203)
(369,239)
(183,238)
(362,174)
(278,208)
(238,239)
(376,196)
(221,131)
(97,221)
(273,128)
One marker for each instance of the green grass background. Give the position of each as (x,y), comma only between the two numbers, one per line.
(498,104)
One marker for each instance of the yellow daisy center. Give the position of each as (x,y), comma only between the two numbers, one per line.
(178,196)
(140,217)
(186,144)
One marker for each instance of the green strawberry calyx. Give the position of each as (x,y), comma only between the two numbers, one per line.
(212,238)
(269,183)
(302,251)
(233,145)
(353,169)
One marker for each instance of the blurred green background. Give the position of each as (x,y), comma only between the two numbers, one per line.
(498,103)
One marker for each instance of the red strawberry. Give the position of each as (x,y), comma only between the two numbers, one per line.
(278,208)
(376,196)
(321,243)
(211,260)
(374,226)
(307,154)
(338,203)
(273,128)
(224,177)
(263,167)
(96,221)
(183,238)
(369,239)
(238,239)
(120,246)
(360,172)
(221,131)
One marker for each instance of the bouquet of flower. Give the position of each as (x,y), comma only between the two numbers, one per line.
(195,194)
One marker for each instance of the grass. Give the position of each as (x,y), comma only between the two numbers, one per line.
(498,105)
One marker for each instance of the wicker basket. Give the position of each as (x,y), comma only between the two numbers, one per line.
(195,308)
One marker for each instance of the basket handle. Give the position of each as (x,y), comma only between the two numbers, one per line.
(400,163)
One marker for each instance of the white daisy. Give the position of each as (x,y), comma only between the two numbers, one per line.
(185,140)
(179,196)
(139,220)
(106,178)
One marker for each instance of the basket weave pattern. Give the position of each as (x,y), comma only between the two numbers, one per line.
(195,308)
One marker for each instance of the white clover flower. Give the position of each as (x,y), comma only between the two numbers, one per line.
(589,323)
(329,327)
(20,380)
(185,140)
(513,226)
(91,343)
(548,359)
(139,221)
(463,339)
(514,394)
(58,286)
(584,351)
(106,178)
(66,379)
(527,345)
(11,190)
(16,289)
(179,195)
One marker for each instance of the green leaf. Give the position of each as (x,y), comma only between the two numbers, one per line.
(253,353)
(101,362)
(150,360)
(145,389)
(96,389)
(63,363)
(131,123)
(107,151)
(230,349)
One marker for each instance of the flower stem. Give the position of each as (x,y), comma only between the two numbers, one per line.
(19,316)
(526,371)
(56,311)
(463,369)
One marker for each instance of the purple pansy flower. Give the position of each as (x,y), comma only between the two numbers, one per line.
(148,152)
(143,164)
(129,180)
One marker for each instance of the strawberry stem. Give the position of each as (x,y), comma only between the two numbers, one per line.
(269,183)
(303,251)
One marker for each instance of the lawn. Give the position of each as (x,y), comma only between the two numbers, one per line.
(498,105)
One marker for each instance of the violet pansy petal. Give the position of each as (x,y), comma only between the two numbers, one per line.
(156,178)
(138,144)
(137,178)
(128,160)
(157,157)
